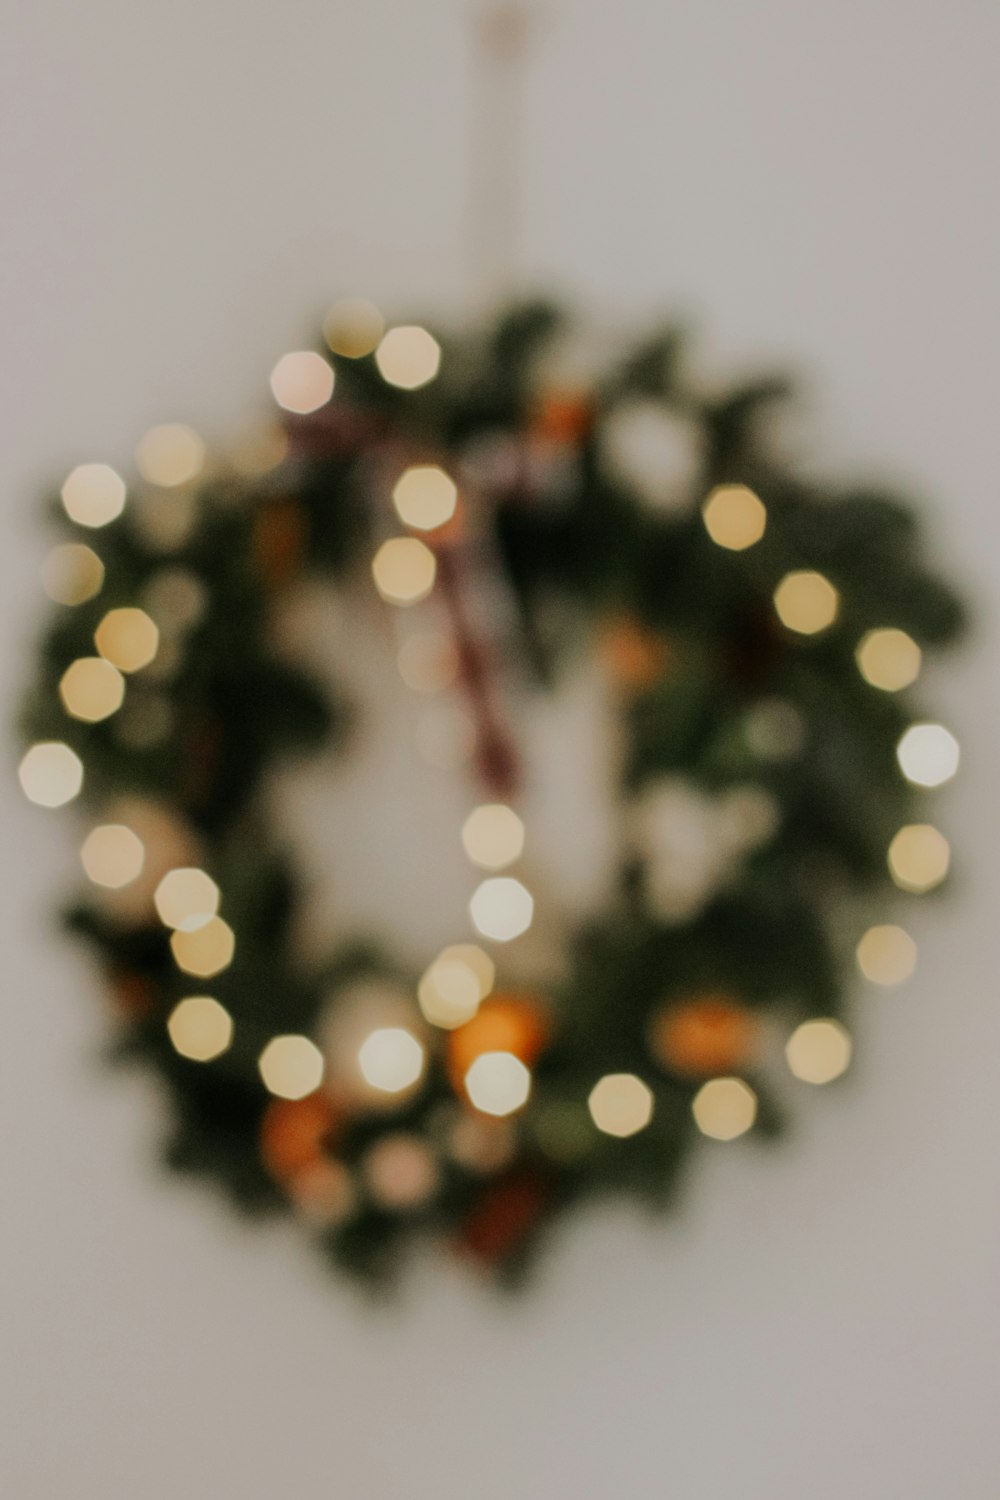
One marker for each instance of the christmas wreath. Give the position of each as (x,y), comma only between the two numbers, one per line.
(512,525)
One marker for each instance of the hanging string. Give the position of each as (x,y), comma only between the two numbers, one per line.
(500,36)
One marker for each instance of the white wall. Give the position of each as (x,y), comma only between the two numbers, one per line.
(183,185)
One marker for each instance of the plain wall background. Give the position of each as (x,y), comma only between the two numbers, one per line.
(183,187)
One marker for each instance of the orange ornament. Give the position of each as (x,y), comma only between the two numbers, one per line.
(704,1036)
(294,1132)
(504,1023)
(563,417)
(278,542)
(634,656)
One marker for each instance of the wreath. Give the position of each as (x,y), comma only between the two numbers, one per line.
(753,632)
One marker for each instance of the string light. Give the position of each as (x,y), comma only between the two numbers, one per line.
(391,1059)
(620,1104)
(260,452)
(170,455)
(93,495)
(302,382)
(91,689)
(200,1028)
(928,754)
(819,1051)
(127,638)
(919,858)
(498,1083)
(51,774)
(888,659)
(205,950)
(451,989)
(427,662)
(502,909)
(291,1066)
(425,497)
(887,955)
(734,517)
(806,602)
(404,570)
(353,327)
(186,899)
(724,1108)
(493,836)
(72,574)
(408,357)
(401,1171)
(112,855)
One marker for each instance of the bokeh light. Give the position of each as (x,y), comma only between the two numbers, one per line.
(401,1171)
(502,909)
(353,327)
(186,898)
(919,858)
(112,855)
(734,517)
(291,1066)
(404,570)
(452,987)
(170,454)
(408,357)
(425,497)
(493,836)
(620,1104)
(51,774)
(928,754)
(888,659)
(200,1028)
(887,955)
(204,950)
(724,1108)
(302,381)
(391,1059)
(127,638)
(806,602)
(498,1083)
(72,574)
(91,689)
(93,495)
(819,1051)
(427,661)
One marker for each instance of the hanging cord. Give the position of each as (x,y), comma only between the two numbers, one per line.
(500,38)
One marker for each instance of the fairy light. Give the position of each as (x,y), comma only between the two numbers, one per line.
(259,452)
(806,602)
(186,899)
(425,497)
(928,754)
(919,858)
(734,517)
(93,495)
(498,1083)
(427,661)
(502,909)
(176,599)
(391,1059)
(408,357)
(302,382)
(888,659)
(170,455)
(200,1028)
(112,855)
(451,989)
(127,638)
(51,774)
(724,1108)
(620,1104)
(887,955)
(91,689)
(401,1171)
(204,950)
(819,1051)
(493,836)
(353,327)
(72,574)
(404,570)
(291,1066)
